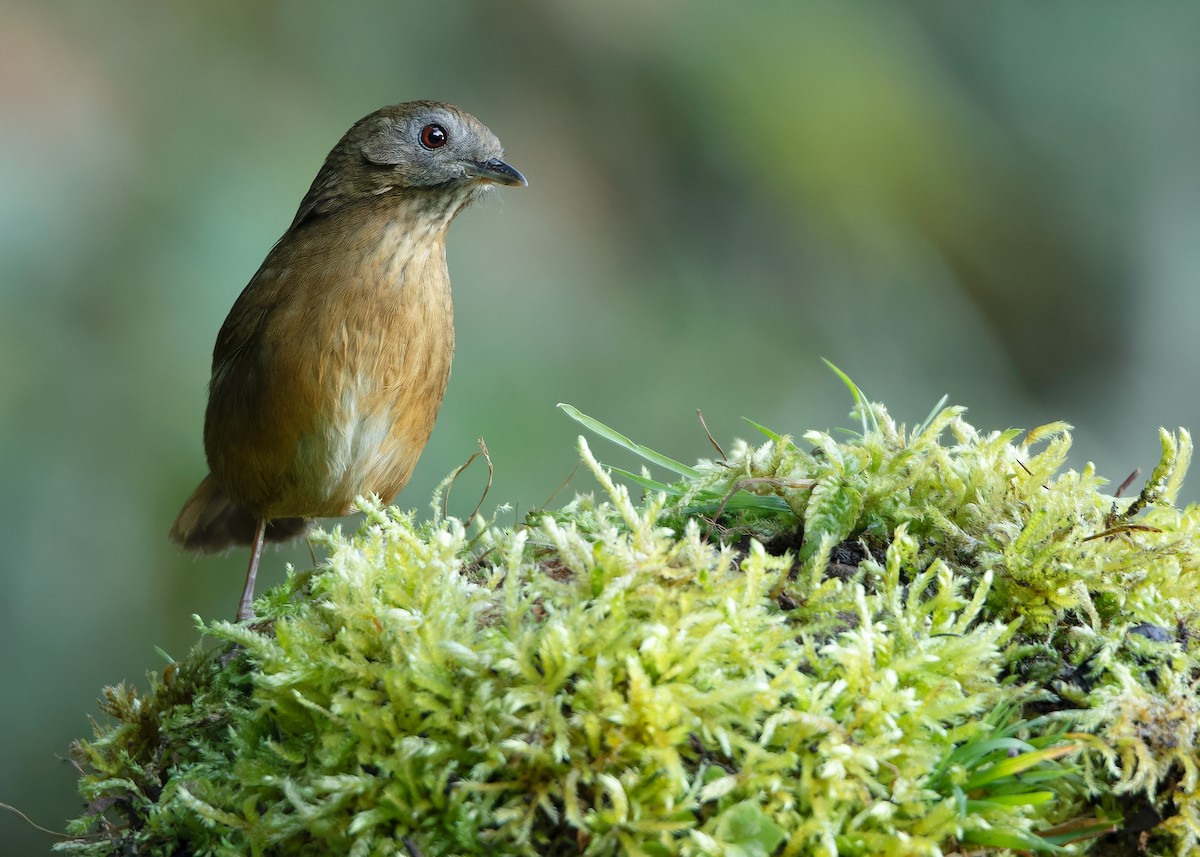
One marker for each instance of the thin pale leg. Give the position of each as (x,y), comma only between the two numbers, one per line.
(246,605)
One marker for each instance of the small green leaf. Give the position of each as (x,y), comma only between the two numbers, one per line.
(745,830)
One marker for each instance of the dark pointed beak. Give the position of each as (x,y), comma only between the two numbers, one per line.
(495,171)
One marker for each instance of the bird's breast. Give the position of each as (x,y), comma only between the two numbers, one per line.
(350,365)
(384,371)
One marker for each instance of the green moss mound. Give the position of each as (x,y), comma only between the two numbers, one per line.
(919,642)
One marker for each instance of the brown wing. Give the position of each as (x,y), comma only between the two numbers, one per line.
(257,408)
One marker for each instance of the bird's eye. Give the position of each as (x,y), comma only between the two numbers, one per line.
(434,136)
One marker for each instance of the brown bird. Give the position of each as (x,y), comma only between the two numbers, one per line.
(329,371)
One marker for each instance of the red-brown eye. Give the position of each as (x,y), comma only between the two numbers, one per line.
(434,136)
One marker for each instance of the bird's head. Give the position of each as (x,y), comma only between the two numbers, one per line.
(427,151)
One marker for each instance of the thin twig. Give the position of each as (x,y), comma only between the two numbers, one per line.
(711,439)
(1030,472)
(564,484)
(1123,528)
(483,450)
(1128,481)
(32,823)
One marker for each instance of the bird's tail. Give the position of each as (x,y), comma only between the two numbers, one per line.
(210,522)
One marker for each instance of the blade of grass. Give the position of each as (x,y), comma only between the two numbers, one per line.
(1021,842)
(740,501)
(1026,798)
(596,427)
(1016,764)
(709,501)
(647,483)
(770,435)
(860,400)
(928,421)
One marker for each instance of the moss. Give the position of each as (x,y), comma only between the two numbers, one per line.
(902,643)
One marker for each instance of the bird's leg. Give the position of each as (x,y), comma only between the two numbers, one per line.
(246,605)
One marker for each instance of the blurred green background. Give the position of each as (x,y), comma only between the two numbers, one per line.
(999,201)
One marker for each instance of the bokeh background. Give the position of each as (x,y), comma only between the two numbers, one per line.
(999,201)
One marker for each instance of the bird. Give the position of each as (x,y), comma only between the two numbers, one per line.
(330,369)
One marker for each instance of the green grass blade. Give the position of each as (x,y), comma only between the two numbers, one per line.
(1026,798)
(928,421)
(1017,764)
(648,483)
(708,502)
(867,415)
(741,501)
(1021,842)
(770,435)
(596,427)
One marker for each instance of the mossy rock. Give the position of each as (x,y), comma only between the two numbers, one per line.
(920,642)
